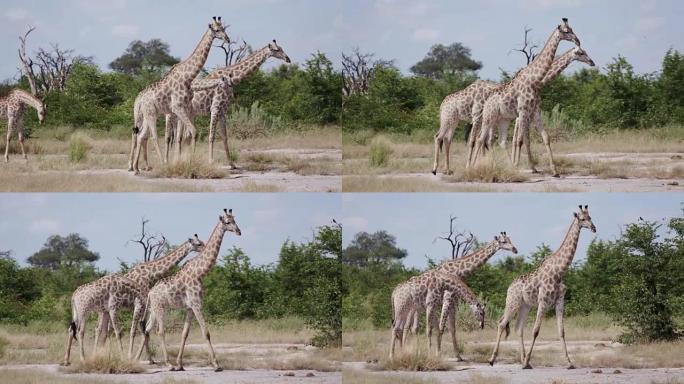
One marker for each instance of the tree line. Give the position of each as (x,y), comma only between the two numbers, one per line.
(637,279)
(304,282)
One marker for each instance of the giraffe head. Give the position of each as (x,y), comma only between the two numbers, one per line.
(196,245)
(584,218)
(566,32)
(479,312)
(505,242)
(228,221)
(278,52)
(218,30)
(580,54)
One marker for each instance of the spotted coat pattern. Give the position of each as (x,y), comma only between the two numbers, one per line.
(12,108)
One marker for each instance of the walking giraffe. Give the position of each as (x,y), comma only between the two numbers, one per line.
(518,97)
(215,102)
(543,288)
(559,64)
(12,107)
(184,290)
(409,298)
(171,94)
(108,294)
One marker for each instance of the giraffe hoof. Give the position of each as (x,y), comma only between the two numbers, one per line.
(434,172)
(572,366)
(556,175)
(180,369)
(218,369)
(491,363)
(527,366)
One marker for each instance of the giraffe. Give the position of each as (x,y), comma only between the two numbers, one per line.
(184,290)
(171,94)
(148,273)
(409,297)
(543,288)
(116,291)
(457,107)
(517,98)
(12,108)
(559,64)
(107,294)
(215,102)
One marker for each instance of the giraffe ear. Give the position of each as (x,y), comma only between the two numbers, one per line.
(575,213)
(230,211)
(496,238)
(586,207)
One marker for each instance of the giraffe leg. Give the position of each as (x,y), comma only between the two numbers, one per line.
(541,308)
(539,124)
(10,130)
(184,117)
(81,337)
(139,138)
(560,314)
(523,123)
(146,338)
(213,121)
(71,335)
(528,148)
(224,133)
(102,325)
(520,328)
(138,314)
(184,337)
(162,335)
(168,135)
(134,141)
(145,152)
(451,323)
(21,142)
(512,306)
(438,147)
(203,328)
(153,136)
(117,332)
(429,310)
(180,132)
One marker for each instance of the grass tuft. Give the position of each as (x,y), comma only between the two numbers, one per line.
(105,364)
(190,168)
(418,360)
(380,151)
(79,146)
(490,169)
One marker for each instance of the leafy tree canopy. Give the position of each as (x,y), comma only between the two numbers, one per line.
(444,60)
(69,251)
(140,56)
(373,248)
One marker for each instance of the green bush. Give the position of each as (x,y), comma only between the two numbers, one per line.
(380,152)
(79,146)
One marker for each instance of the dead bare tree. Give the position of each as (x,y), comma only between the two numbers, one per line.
(461,241)
(26,62)
(234,52)
(358,70)
(528,47)
(153,245)
(49,70)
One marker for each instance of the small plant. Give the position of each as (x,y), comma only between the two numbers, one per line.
(246,123)
(190,168)
(491,169)
(78,148)
(380,151)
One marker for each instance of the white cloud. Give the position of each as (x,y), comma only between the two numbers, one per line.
(355,223)
(426,34)
(649,24)
(16,14)
(125,30)
(46,226)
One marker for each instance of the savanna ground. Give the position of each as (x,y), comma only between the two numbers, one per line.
(591,345)
(265,351)
(616,161)
(63,159)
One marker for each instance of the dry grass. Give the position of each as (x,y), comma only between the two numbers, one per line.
(190,167)
(381,184)
(417,360)
(654,355)
(492,168)
(23,376)
(360,377)
(107,364)
(251,186)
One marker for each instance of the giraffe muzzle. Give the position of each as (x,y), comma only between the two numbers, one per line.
(287,59)
(593,228)
(514,250)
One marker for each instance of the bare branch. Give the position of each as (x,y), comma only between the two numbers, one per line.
(26,61)
(460,241)
(233,52)
(358,70)
(153,245)
(527,48)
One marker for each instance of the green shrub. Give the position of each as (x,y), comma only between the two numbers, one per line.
(380,151)
(79,146)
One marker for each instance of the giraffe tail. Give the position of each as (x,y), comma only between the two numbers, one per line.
(72,328)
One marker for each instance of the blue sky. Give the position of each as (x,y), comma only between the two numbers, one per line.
(394,29)
(529,218)
(108,221)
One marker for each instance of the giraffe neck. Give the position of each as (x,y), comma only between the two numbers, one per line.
(536,71)
(467,295)
(148,273)
(28,99)
(244,68)
(566,252)
(558,66)
(467,264)
(203,263)
(187,70)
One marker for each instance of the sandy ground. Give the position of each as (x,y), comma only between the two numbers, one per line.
(204,375)
(198,370)
(639,163)
(508,371)
(241,180)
